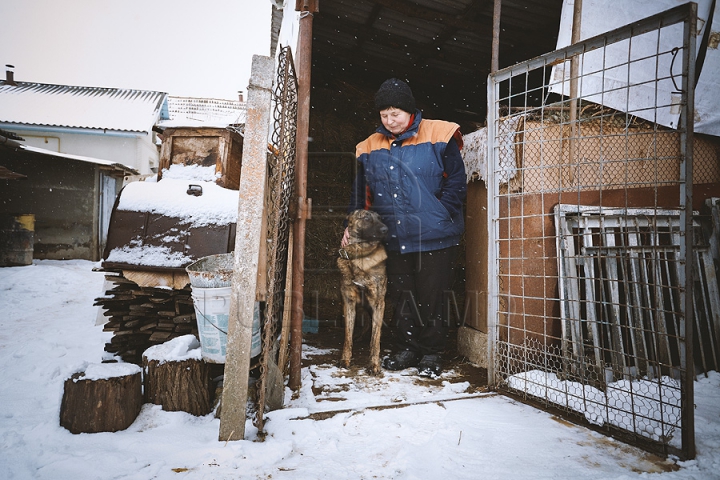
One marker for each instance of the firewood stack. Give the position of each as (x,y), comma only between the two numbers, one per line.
(141,317)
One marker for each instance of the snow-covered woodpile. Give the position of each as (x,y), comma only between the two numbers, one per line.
(141,317)
(158,227)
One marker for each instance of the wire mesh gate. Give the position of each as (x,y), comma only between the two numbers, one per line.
(591,224)
(279,193)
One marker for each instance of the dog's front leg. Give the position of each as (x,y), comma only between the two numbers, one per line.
(377,301)
(349,327)
(377,320)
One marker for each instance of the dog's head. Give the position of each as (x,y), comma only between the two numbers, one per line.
(366,226)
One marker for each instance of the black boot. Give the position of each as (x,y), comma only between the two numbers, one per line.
(401,360)
(429,366)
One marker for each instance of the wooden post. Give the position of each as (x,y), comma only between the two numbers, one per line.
(304,65)
(247,250)
(495,58)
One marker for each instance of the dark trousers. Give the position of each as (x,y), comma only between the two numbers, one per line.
(417,286)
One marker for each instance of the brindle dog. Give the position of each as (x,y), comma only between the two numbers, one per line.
(362,264)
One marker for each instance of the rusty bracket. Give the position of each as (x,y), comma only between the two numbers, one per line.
(304,208)
(312,6)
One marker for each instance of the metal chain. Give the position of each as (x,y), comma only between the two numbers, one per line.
(281,182)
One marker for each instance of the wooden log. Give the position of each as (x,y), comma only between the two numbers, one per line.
(104,398)
(159,337)
(177,385)
(188,318)
(148,326)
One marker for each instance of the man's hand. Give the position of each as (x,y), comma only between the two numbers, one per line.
(345,239)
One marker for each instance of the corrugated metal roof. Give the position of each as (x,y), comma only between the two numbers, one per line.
(63,106)
(203,112)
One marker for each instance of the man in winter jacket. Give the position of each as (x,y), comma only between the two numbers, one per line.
(410,171)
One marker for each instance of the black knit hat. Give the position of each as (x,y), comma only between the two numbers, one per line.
(395,93)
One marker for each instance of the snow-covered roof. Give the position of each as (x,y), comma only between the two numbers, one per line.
(203,112)
(94,108)
(97,161)
(191,217)
(214,205)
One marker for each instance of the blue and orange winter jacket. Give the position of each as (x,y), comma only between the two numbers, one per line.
(416,182)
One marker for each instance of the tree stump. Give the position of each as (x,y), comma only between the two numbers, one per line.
(182,385)
(104,398)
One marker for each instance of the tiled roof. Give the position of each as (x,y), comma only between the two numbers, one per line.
(62,106)
(203,112)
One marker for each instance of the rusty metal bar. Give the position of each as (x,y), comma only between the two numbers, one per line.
(687,127)
(307,9)
(575,37)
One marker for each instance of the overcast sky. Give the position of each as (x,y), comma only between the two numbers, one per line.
(182,47)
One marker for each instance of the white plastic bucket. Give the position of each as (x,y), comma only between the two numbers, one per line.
(212,310)
(213,271)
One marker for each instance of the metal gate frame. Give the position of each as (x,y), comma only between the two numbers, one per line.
(528,354)
(279,194)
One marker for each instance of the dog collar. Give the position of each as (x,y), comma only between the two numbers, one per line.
(357,250)
(351,255)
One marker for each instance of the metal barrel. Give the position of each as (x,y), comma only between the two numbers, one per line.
(17,234)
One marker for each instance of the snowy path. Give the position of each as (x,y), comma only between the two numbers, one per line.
(412,431)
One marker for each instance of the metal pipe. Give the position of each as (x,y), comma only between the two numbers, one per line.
(490,205)
(575,37)
(307,9)
(10,75)
(86,131)
(687,255)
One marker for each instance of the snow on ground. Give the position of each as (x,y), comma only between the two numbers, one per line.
(392,427)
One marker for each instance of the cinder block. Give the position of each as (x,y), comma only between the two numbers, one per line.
(472,344)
